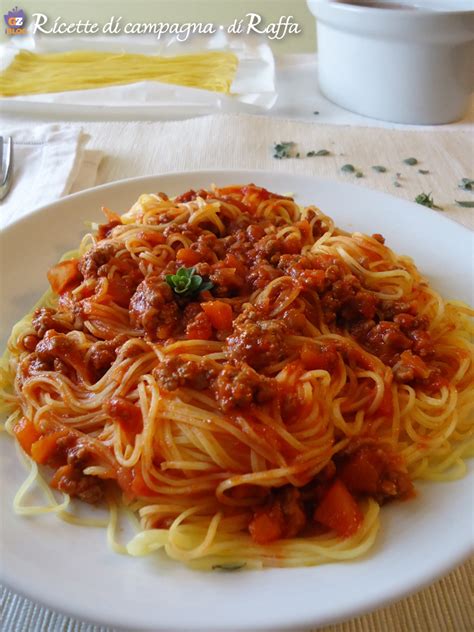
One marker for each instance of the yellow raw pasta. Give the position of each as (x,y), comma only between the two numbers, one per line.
(30,73)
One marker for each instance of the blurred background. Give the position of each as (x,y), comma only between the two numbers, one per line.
(216,11)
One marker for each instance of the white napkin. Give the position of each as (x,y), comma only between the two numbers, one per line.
(49,161)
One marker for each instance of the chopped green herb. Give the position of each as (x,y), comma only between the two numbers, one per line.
(396,184)
(379,168)
(232,566)
(283,150)
(186,282)
(298,155)
(315,112)
(359,174)
(348,168)
(426,199)
(320,152)
(466,184)
(424,172)
(411,161)
(465,203)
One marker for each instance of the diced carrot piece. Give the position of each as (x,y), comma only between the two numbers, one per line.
(127,415)
(26,434)
(44,448)
(188,257)
(362,472)
(152,237)
(64,274)
(111,216)
(199,328)
(304,227)
(65,471)
(339,511)
(219,313)
(266,526)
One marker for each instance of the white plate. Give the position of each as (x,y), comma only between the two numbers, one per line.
(69,568)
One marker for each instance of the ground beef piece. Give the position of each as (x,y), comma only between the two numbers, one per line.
(227,282)
(389,309)
(154,309)
(371,470)
(59,352)
(29,342)
(54,345)
(361,306)
(240,386)
(345,301)
(295,320)
(386,341)
(93,263)
(410,367)
(34,365)
(254,232)
(71,480)
(174,372)
(301,268)
(416,329)
(293,265)
(269,247)
(192,195)
(209,247)
(261,275)
(259,343)
(103,354)
(282,516)
(46,318)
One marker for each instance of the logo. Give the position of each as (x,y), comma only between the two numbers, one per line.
(15,21)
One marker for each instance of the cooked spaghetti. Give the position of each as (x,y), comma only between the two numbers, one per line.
(247,379)
(32,73)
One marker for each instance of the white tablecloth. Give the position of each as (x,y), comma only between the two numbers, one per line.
(245,142)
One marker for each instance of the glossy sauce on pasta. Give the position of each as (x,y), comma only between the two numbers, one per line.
(245,373)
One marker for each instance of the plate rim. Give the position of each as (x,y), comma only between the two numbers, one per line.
(420,208)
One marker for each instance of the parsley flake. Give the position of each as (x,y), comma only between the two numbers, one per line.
(231,566)
(411,161)
(426,199)
(423,172)
(466,184)
(284,149)
(320,152)
(465,203)
(379,168)
(348,168)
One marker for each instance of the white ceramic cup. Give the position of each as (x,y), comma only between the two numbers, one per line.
(402,61)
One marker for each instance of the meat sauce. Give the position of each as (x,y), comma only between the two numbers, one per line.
(241,259)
